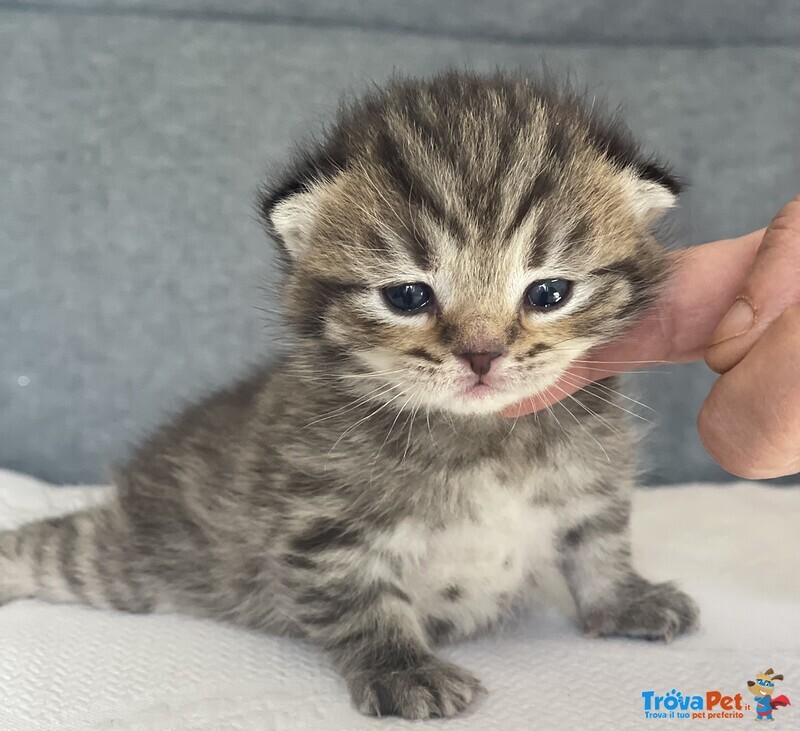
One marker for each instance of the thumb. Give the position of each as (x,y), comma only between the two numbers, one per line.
(772,286)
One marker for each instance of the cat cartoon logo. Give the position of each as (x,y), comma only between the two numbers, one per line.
(762,688)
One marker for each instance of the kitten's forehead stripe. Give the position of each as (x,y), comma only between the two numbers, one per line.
(507,145)
(542,236)
(559,146)
(541,185)
(420,249)
(580,234)
(376,243)
(414,187)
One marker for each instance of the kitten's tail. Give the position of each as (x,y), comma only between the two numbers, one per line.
(79,558)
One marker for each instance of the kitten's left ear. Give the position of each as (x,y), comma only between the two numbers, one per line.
(290,215)
(652,191)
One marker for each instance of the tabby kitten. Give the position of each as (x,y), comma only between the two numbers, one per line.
(451,246)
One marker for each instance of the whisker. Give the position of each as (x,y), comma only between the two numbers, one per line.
(625,362)
(511,429)
(595,384)
(582,426)
(389,433)
(428,422)
(410,427)
(553,414)
(353,405)
(621,408)
(375,374)
(592,413)
(613,372)
(362,420)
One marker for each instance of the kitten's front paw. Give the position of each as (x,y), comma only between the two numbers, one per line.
(650,611)
(434,688)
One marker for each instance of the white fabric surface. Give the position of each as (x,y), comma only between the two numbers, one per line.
(735,548)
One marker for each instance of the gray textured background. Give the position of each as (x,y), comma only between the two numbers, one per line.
(133,135)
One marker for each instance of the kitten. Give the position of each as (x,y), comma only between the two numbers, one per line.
(451,246)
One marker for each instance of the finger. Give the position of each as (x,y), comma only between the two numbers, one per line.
(705,281)
(772,287)
(750,424)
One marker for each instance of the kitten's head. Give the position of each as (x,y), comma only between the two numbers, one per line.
(461,240)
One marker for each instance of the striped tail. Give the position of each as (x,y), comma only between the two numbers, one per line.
(79,558)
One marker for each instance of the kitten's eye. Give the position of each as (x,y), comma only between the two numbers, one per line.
(548,294)
(408,297)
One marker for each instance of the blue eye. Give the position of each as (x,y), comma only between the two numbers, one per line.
(408,297)
(548,294)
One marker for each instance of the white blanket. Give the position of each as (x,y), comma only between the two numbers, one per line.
(735,548)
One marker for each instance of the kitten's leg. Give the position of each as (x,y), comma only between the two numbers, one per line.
(611,597)
(374,637)
(84,558)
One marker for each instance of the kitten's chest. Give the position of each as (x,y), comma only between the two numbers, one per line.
(483,561)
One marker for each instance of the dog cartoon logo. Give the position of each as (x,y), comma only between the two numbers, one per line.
(762,688)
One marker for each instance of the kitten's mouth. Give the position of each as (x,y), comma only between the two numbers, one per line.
(479,390)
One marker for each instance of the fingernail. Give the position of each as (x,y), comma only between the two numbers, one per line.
(738,321)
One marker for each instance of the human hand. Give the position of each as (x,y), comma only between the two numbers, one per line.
(750,422)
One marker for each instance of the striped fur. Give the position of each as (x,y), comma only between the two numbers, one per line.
(355,493)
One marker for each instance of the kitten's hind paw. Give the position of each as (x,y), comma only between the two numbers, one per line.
(434,688)
(649,611)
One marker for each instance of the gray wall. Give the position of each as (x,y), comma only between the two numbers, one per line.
(133,275)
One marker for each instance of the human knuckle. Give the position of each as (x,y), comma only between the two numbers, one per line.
(788,218)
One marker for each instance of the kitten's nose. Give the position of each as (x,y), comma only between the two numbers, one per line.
(480,363)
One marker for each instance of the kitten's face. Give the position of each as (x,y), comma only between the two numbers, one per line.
(465,266)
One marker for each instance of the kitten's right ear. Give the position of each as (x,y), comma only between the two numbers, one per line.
(290,214)
(652,190)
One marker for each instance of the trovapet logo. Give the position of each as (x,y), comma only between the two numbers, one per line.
(676,704)
(715,704)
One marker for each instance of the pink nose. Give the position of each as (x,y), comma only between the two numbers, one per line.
(481,363)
